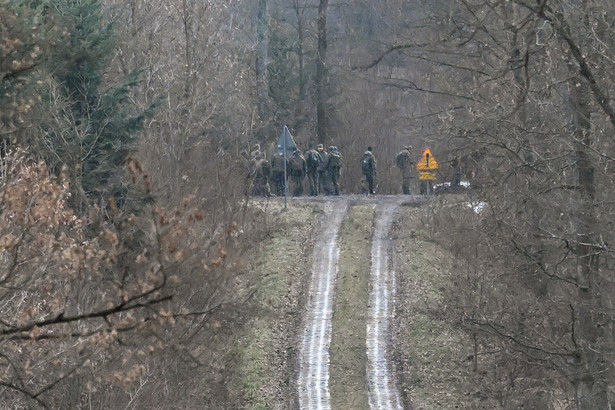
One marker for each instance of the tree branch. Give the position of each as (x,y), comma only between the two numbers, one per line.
(585,71)
(381,57)
(500,332)
(25,393)
(60,318)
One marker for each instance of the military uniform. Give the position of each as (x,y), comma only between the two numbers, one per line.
(277,174)
(404,163)
(457,173)
(262,173)
(368,169)
(246,170)
(298,171)
(334,166)
(312,170)
(323,177)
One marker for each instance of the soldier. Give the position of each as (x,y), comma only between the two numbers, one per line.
(334,165)
(298,171)
(404,163)
(246,170)
(457,173)
(323,183)
(277,174)
(312,160)
(368,169)
(262,173)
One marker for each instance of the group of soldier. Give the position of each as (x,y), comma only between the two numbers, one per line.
(403,161)
(320,167)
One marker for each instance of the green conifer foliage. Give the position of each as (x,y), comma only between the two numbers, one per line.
(105,124)
(83,122)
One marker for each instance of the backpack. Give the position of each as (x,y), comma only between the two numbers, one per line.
(265,167)
(296,164)
(366,165)
(324,157)
(277,163)
(312,160)
(403,160)
(335,159)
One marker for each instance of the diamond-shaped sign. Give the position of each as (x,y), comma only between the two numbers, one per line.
(427,162)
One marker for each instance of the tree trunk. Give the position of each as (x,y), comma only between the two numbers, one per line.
(591,380)
(321,73)
(300,51)
(188,49)
(262,33)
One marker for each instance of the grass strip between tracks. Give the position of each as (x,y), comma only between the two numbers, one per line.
(348,349)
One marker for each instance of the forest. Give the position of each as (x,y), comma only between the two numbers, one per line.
(125,218)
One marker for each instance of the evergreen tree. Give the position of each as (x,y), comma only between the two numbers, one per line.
(28,35)
(104,125)
(82,124)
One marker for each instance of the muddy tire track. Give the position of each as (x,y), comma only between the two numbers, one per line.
(314,359)
(381,381)
(313,382)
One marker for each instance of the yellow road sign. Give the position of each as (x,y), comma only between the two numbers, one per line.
(427,176)
(427,162)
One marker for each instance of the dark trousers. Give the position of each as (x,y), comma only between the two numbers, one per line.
(323,183)
(297,184)
(313,180)
(405,186)
(334,176)
(369,178)
(277,178)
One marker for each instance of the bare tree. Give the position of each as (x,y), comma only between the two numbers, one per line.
(519,91)
(544,177)
(262,33)
(321,72)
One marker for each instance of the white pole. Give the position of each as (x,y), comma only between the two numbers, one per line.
(285,177)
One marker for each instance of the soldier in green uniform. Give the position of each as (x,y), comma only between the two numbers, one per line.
(323,177)
(334,166)
(312,160)
(277,174)
(368,169)
(262,173)
(404,163)
(298,171)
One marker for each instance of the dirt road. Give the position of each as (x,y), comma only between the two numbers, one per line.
(314,359)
